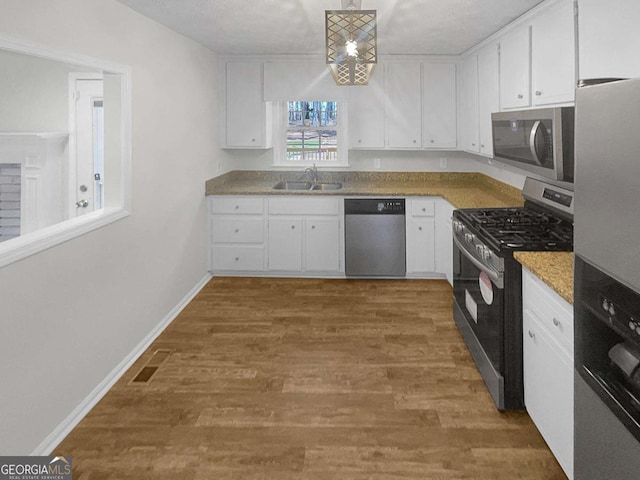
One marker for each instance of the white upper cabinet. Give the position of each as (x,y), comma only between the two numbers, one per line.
(403,105)
(366,114)
(608,38)
(469,103)
(489,95)
(247,116)
(515,64)
(439,105)
(553,55)
(538,59)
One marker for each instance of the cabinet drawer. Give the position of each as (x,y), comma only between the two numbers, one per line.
(232,257)
(423,207)
(232,229)
(553,312)
(304,206)
(238,205)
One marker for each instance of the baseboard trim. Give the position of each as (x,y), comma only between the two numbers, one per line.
(64,428)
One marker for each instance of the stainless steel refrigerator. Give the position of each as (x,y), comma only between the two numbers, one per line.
(607,281)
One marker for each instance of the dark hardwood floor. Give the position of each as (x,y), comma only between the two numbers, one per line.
(308,379)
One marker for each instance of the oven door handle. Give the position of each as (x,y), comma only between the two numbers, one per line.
(495,277)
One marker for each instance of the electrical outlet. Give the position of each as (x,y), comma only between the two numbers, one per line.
(376,163)
(443,163)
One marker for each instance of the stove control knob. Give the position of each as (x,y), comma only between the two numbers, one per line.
(612,310)
(632,325)
(469,237)
(638,330)
(605,304)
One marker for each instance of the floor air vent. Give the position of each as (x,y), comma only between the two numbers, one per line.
(151,367)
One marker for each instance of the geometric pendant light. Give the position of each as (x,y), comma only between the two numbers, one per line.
(351,44)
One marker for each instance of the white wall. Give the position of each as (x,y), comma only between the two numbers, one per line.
(70,314)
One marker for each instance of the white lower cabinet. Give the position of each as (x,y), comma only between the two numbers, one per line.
(305,235)
(548,366)
(420,231)
(236,233)
(285,243)
(322,244)
(444,239)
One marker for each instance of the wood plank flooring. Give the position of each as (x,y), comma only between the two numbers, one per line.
(309,379)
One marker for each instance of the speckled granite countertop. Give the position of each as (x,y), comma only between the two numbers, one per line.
(554,268)
(462,190)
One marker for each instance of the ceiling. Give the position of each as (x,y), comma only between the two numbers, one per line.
(445,27)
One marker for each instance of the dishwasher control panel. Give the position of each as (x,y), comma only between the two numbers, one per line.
(374,206)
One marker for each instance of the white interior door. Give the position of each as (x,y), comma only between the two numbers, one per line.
(86,172)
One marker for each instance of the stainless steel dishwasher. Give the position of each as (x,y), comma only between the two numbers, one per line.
(375,239)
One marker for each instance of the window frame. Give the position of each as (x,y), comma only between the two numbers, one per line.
(281,124)
(118,202)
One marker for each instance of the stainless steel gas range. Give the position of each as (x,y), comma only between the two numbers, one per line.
(487,280)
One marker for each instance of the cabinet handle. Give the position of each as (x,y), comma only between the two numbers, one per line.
(420,228)
(253,139)
(520,96)
(237,207)
(556,322)
(237,258)
(237,230)
(415,141)
(481,145)
(432,141)
(293,227)
(531,334)
(473,144)
(313,227)
(538,93)
(359,141)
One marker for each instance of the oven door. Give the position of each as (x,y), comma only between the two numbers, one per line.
(479,296)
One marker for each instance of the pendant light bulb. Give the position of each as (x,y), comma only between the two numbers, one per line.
(352,48)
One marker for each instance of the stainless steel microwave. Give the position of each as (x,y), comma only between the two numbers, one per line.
(539,141)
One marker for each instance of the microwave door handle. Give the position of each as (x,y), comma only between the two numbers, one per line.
(493,275)
(532,142)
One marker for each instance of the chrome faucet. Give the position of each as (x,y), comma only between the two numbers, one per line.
(313,173)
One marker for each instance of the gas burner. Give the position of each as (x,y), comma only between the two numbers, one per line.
(519,228)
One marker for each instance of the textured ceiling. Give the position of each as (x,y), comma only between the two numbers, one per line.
(446,27)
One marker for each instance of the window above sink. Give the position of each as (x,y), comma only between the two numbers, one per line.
(310,132)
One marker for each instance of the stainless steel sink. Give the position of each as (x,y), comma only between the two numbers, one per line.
(309,186)
(293,186)
(327,186)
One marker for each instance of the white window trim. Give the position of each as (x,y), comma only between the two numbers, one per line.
(280,139)
(118,205)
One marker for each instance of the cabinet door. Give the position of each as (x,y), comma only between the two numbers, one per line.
(322,244)
(403,111)
(548,390)
(469,110)
(444,240)
(553,55)
(366,114)
(420,245)
(285,243)
(439,105)
(489,95)
(246,113)
(608,40)
(515,64)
